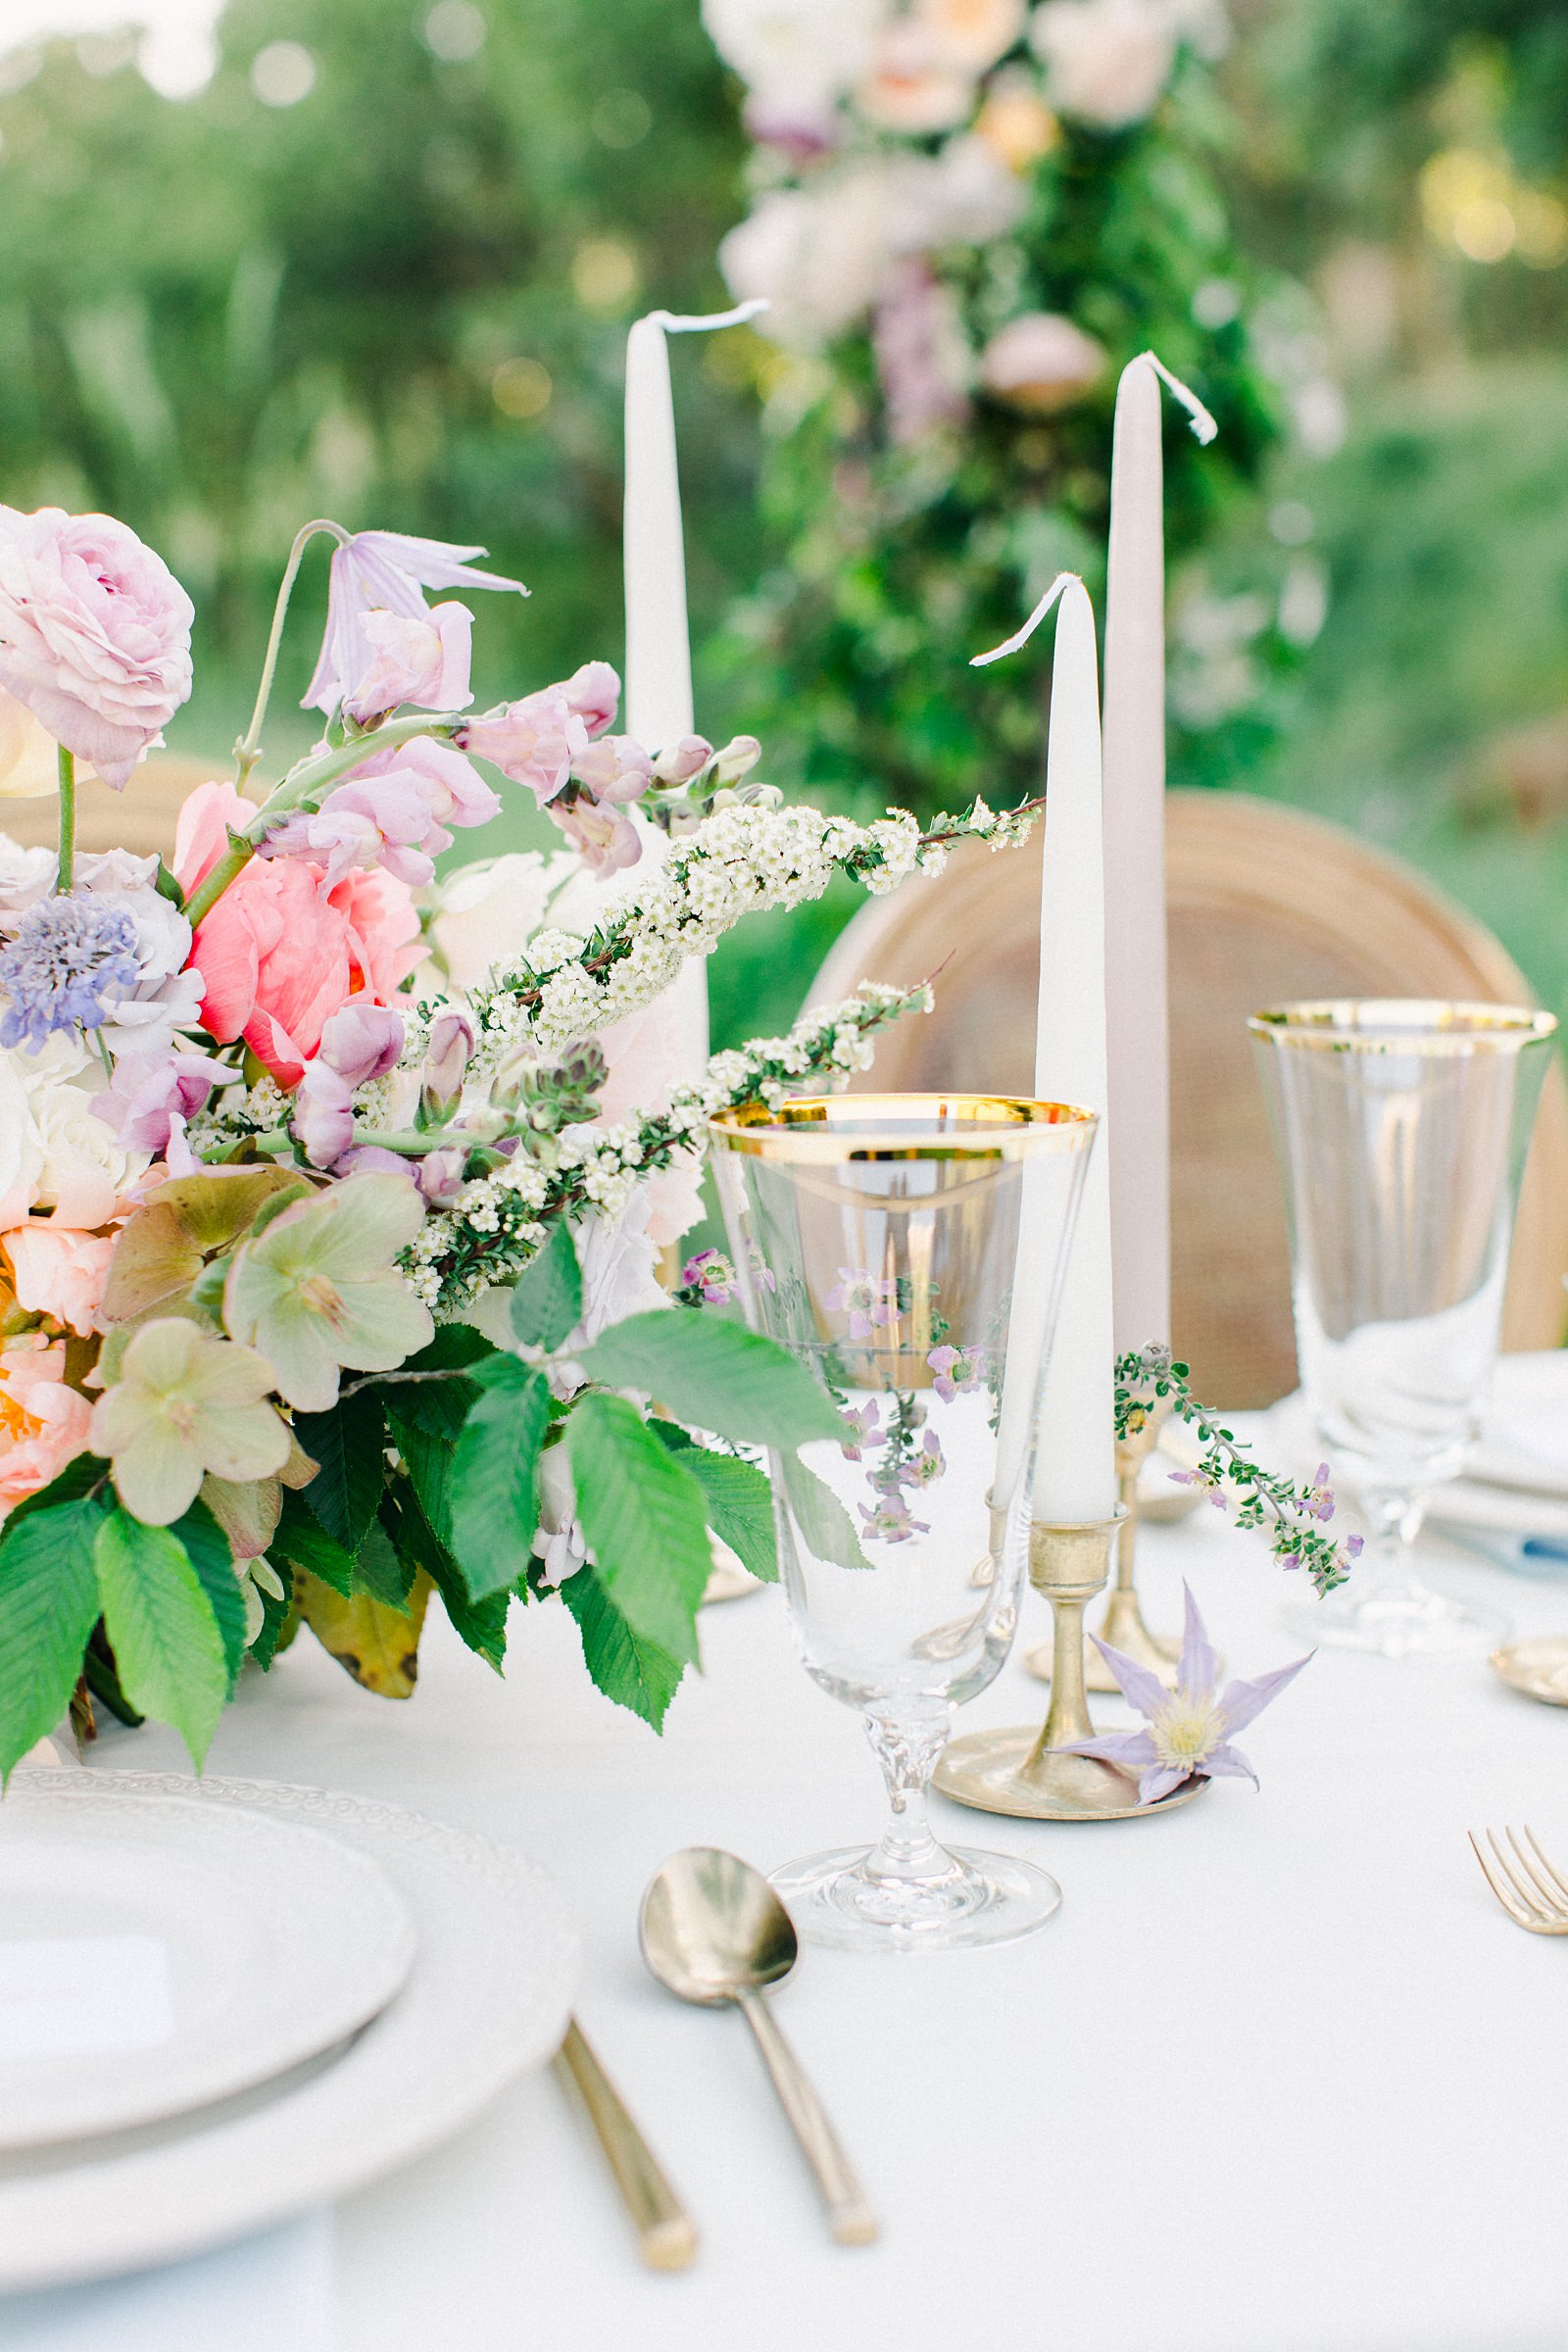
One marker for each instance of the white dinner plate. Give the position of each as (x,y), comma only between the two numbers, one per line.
(157,1953)
(488,1996)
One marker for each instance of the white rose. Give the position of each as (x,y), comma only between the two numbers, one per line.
(488,912)
(26,877)
(21,1148)
(82,1166)
(915,86)
(965,195)
(798,55)
(1107,60)
(820,256)
(29,764)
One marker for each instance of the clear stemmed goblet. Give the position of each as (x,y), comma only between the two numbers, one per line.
(1401,1129)
(910,1250)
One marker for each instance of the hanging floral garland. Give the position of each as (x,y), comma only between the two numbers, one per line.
(966,215)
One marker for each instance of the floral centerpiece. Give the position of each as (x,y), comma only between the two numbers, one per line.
(331,1195)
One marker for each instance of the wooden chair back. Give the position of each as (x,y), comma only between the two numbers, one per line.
(142,817)
(1265,904)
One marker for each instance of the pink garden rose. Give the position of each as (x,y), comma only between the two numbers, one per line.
(43,1424)
(94,634)
(58,1271)
(277,959)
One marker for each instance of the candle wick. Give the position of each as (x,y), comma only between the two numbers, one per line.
(1203,423)
(1064,579)
(678,325)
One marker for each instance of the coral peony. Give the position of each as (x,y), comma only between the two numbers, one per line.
(43,1424)
(94,634)
(276,958)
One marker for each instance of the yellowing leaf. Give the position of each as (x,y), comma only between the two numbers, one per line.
(377,1646)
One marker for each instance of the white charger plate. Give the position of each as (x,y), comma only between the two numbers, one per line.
(157,1953)
(488,1997)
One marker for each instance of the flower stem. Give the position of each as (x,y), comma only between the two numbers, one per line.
(236,859)
(68,819)
(249,748)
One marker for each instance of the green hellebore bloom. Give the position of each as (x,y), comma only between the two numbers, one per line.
(317,1289)
(186,1402)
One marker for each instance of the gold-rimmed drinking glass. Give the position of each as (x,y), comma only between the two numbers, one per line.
(1401,1128)
(908,1248)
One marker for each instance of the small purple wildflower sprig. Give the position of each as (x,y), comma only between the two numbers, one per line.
(1293,1512)
(71,957)
(710,1278)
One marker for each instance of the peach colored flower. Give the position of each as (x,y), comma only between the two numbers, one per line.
(43,1424)
(1041,362)
(915,85)
(58,1271)
(971,33)
(1016,123)
(94,634)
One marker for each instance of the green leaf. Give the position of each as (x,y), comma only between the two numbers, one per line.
(48,1607)
(634,1672)
(427,1458)
(304,1543)
(278,1621)
(826,1526)
(495,1478)
(379,1571)
(438,1407)
(162,1630)
(348,1446)
(739,1498)
(80,1475)
(547,1300)
(480,1624)
(208,1550)
(717,1376)
(645,1519)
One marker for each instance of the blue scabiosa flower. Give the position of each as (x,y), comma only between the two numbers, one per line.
(70,958)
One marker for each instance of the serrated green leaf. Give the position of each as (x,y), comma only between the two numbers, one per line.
(717,1376)
(80,1475)
(48,1607)
(645,1520)
(348,1446)
(438,1407)
(494,1479)
(379,1571)
(826,1526)
(481,1625)
(160,1627)
(279,1623)
(428,1462)
(740,1502)
(546,1298)
(634,1672)
(208,1550)
(304,1543)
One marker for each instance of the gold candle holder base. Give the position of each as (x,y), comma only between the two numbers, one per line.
(1123,1624)
(1020,1772)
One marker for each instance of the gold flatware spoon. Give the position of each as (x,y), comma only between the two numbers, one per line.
(713,1930)
(665,2235)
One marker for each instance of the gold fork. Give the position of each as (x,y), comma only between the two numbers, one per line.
(1528,1887)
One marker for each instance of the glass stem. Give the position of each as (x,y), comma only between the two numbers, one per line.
(906,1747)
(1396,1515)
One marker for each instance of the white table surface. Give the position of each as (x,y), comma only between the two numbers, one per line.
(1278,2077)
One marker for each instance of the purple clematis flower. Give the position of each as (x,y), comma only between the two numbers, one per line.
(1187,1731)
(383,572)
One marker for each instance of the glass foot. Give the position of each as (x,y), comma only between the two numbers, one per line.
(976,1898)
(1402,1620)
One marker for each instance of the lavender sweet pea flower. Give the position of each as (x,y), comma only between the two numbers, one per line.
(151,1095)
(602,837)
(374,1159)
(424,662)
(593,693)
(446,1059)
(323,1114)
(614,768)
(683,759)
(1188,1730)
(441,1175)
(362,1042)
(383,572)
(393,812)
(532,742)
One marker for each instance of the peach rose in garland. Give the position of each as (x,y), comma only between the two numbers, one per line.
(94,635)
(317,1290)
(43,1423)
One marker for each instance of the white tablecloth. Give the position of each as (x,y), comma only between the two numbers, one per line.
(1278,2077)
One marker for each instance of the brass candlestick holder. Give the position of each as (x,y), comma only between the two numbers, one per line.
(1020,1772)
(1123,1624)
